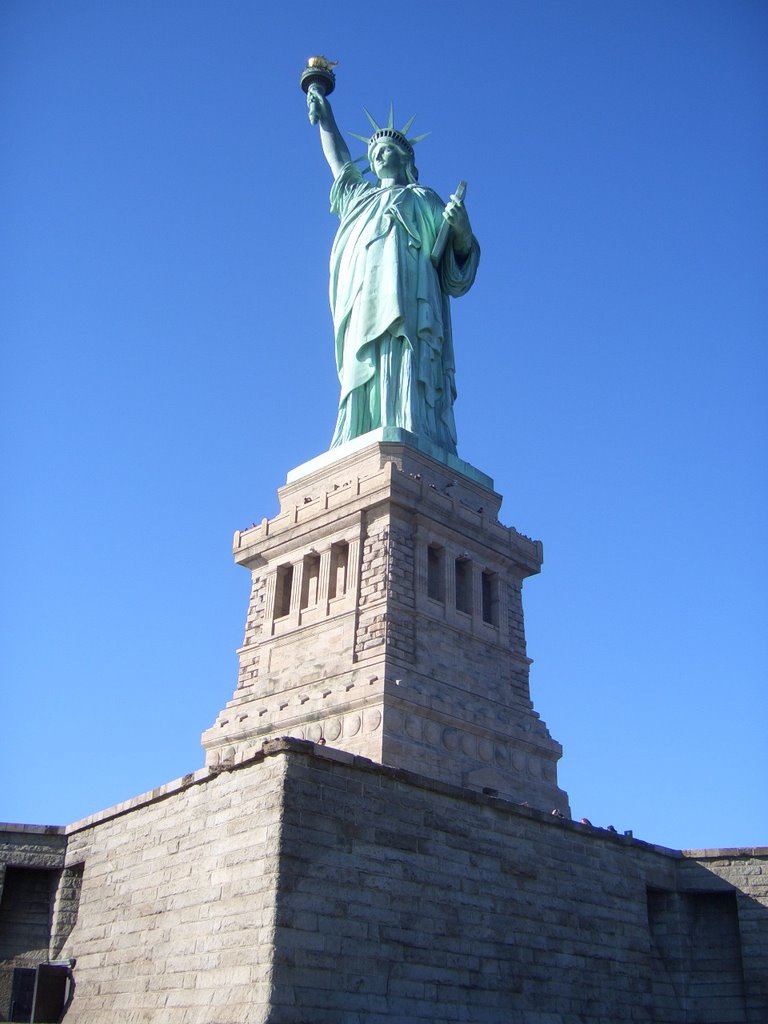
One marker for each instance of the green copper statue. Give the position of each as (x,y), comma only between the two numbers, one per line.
(391,280)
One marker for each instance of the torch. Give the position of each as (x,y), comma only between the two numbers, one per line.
(319,73)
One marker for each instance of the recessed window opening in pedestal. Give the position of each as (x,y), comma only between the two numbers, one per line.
(310,581)
(283,587)
(696,937)
(436,572)
(337,584)
(490,597)
(26,907)
(464,585)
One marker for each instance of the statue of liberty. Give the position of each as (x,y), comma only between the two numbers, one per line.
(390,283)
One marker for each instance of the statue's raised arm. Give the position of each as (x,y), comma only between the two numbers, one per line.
(390,301)
(318,82)
(335,148)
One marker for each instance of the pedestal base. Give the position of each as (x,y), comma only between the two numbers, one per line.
(386,619)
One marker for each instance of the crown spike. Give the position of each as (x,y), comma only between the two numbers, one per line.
(376,127)
(390,132)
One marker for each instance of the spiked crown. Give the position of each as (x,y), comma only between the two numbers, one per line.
(389,132)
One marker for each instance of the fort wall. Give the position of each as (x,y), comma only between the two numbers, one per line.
(310,884)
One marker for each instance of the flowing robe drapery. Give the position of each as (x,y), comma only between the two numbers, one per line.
(390,305)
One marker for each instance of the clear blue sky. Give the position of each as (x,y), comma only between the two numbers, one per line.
(167,358)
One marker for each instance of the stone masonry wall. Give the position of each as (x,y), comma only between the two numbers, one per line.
(406,900)
(743,875)
(312,885)
(386,588)
(248,672)
(386,619)
(31,862)
(176,914)
(66,907)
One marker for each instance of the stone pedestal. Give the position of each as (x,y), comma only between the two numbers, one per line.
(386,620)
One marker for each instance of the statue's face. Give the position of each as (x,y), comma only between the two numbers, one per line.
(389,161)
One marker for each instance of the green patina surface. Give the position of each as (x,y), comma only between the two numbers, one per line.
(390,285)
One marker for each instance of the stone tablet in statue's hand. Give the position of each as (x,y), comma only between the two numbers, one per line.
(456,214)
